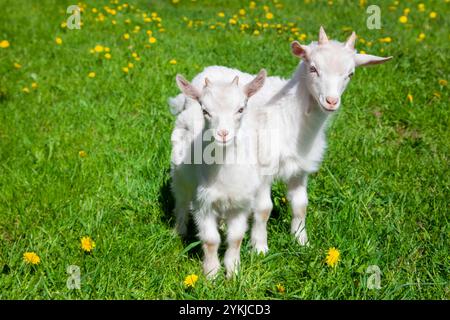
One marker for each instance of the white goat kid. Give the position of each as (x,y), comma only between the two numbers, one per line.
(214,188)
(300,112)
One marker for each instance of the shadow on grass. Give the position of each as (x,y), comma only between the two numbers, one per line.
(167,204)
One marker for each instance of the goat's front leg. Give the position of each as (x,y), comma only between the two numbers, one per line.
(236,228)
(210,237)
(298,198)
(262,209)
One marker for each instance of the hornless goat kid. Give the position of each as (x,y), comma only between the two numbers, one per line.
(215,179)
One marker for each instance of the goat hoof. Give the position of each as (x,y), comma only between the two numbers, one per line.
(302,239)
(261,248)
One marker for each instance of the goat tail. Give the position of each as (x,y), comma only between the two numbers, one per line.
(177,104)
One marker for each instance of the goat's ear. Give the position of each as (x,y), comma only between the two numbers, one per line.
(299,51)
(187,88)
(362,60)
(253,87)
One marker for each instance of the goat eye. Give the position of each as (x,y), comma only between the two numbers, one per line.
(206,113)
(313,69)
(241,110)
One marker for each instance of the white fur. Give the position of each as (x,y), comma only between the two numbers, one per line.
(300,112)
(295,112)
(218,190)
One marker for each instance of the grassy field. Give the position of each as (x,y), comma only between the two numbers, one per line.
(85,149)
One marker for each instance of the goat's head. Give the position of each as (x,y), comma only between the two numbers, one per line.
(330,65)
(223,104)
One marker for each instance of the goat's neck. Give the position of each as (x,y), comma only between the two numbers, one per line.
(224,156)
(312,119)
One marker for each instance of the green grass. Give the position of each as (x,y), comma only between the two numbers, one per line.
(380,197)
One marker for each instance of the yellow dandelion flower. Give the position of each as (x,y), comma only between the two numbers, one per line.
(126,36)
(31,258)
(152,40)
(108,56)
(125,69)
(362,52)
(302,37)
(266,8)
(82,154)
(333,257)
(17,65)
(173,61)
(99,48)
(107,49)
(421,36)
(87,244)
(256,32)
(221,14)
(175,1)
(385,40)
(252,5)
(443,82)
(130,65)
(4,44)
(94,10)
(26,90)
(91,74)
(58,41)
(406,11)
(232,21)
(134,55)
(127,21)
(421,7)
(190,280)
(403,19)
(280,288)
(149,32)
(34,85)
(269,15)
(410,98)
(433,15)
(63,24)
(242,12)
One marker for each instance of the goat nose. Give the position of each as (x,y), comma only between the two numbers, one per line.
(222,133)
(332,101)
